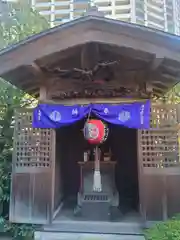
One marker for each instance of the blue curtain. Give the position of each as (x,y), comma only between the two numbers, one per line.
(131,115)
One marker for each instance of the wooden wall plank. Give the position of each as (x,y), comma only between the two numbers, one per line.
(159,165)
(32,172)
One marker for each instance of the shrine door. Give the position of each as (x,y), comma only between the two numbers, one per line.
(32,171)
(159,164)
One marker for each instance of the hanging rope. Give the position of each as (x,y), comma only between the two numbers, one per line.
(89,115)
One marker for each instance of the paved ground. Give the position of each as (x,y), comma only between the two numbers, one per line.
(64,236)
(77,236)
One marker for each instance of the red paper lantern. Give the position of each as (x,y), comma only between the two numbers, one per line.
(95,131)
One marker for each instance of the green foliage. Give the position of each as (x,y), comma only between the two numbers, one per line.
(18,21)
(169,230)
(172,96)
(18,231)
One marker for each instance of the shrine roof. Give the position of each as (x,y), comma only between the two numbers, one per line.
(22,64)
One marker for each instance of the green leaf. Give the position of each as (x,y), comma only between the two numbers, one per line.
(1,191)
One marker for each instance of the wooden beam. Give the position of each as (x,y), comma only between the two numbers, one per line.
(172,78)
(76,84)
(36,69)
(165,80)
(42,80)
(128,52)
(57,57)
(172,70)
(88,101)
(157,88)
(165,84)
(28,85)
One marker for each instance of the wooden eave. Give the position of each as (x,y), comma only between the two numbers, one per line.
(21,64)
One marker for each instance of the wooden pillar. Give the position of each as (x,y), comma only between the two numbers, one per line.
(43,81)
(43,96)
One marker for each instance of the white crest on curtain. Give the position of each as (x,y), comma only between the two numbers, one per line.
(75,111)
(106,110)
(55,116)
(124,116)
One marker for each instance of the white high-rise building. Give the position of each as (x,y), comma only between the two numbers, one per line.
(160,14)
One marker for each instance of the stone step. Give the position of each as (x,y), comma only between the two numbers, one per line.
(84,236)
(132,228)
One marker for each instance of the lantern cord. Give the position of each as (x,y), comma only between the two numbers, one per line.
(97,186)
(89,115)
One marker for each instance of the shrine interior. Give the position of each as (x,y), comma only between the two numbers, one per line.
(120,147)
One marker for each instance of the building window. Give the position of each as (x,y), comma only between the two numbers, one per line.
(83,1)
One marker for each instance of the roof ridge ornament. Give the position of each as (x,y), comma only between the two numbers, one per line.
(93,11)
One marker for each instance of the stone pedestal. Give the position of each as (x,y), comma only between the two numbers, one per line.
(97,205)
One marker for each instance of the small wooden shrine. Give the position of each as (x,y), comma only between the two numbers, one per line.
(94,60)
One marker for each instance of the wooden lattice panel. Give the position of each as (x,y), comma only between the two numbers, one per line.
(163,115)
(32,146)
(159,147)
